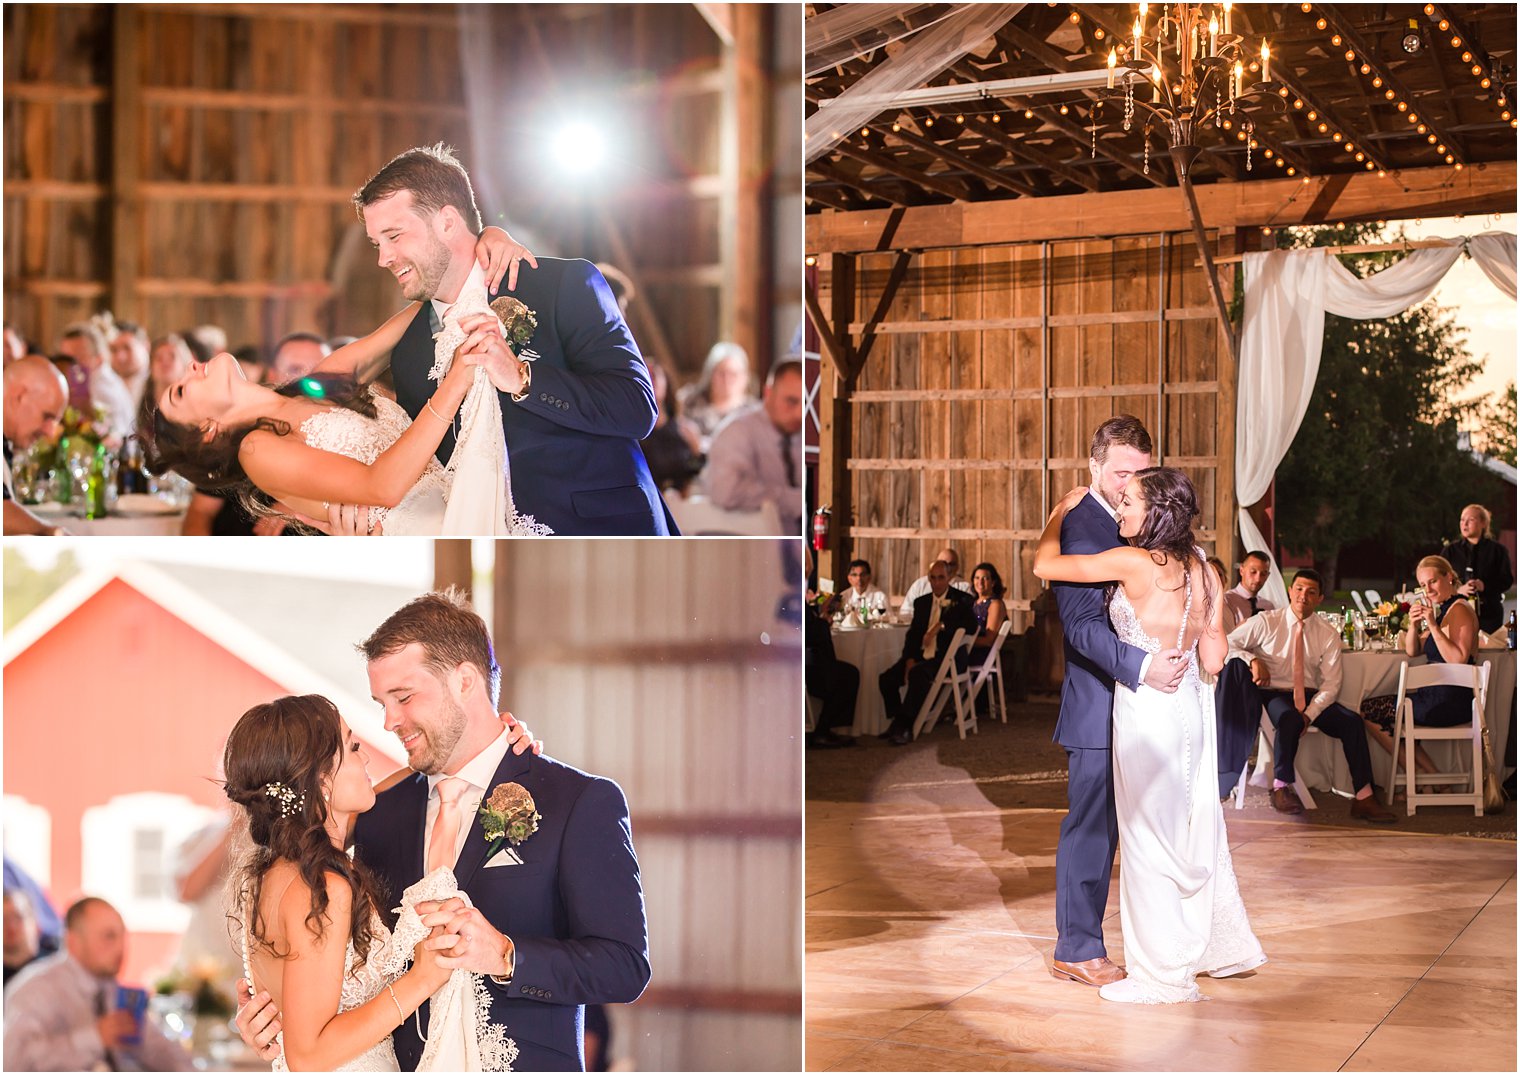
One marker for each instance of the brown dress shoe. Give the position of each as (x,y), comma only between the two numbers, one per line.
(1093,972)
(1286,801)
(1369,809)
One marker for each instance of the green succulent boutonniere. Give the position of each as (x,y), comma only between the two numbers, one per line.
(517,321)
(508,815)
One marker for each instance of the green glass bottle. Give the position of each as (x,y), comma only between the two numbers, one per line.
(64,477)
(95,505)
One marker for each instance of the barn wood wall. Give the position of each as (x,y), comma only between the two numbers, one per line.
(192,164)
(664,667)
(990,371)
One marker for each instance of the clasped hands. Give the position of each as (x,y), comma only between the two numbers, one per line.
(464,938)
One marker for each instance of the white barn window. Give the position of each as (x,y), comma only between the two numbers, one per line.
(125,853)
(28,837)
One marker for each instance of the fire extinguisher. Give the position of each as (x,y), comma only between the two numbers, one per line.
(821,528)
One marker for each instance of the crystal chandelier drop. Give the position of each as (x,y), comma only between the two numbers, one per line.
(1196,68)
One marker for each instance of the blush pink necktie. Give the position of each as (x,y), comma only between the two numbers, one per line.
(441,847)
(1297,642)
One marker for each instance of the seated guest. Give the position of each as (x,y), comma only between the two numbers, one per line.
(15,345)
(61,1013)
(860,594)
(23,940)
(129,358)
(988,608)
(673,448)
(87,346)
(951,559)
(169,359)
(1482,566)
(1244,601)
(295,356)
(49,925)
(936,617)
(35,396)
(248,360)
(834,682)
(1292,653)
(1237,704)
(205,341)
(1449,628)
(757,455)
(722,390)
(1219,572)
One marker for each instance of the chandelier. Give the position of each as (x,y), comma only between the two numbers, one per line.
(1197,68)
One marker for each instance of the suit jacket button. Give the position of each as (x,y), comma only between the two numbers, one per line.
(543,395)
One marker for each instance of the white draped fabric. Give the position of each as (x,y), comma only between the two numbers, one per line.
(849,31)
(929,53)
(1288,293)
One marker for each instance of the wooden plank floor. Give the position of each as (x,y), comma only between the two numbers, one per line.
(930,929)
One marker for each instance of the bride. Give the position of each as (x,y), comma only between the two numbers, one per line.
(307,916)
(1179,902)
(326,439)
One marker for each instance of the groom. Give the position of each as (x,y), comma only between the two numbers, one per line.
(575,401)
(1095,659)
(558,920)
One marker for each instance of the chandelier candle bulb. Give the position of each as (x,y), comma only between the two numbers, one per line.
(1113,61)
(1213,35)
(1266,62)
(1227,19)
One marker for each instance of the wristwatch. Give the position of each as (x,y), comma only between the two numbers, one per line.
(526,369)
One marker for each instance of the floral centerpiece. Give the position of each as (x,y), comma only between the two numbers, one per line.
(204,982)
(1395,614)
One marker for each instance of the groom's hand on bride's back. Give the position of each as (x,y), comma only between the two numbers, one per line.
(1166,671)
(258,1022)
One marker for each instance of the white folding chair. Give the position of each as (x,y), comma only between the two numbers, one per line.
(814,708)
(1374,599)
(1404,727)
(1266,742)
(949,681)
(1356,599)
(992,670)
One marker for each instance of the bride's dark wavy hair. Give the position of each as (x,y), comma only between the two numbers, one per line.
(292,741)
(1171,505)
(212,466)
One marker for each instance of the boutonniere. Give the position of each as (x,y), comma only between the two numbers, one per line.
(507,815)
(517,321)
(943,602)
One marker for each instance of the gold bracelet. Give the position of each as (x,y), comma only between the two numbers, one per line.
(441,418)
(396,1002)
(526,370)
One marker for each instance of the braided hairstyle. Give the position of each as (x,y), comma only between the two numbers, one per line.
(1171,505)
(276,760)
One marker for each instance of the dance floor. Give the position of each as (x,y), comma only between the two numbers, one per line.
(930,925)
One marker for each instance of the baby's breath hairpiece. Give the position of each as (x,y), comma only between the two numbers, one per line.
(289,801)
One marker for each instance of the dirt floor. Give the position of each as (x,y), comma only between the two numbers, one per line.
(1017,765)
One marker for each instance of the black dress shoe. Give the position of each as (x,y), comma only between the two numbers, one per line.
(901,739)
(818,742)
(832,738)
(886,734)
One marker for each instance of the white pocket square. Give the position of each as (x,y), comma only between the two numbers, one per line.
(505,857)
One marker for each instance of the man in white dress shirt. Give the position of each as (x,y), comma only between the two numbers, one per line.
(756,455)
(952,561)
(61,1012)
(1295,659)
(1244,601)
(860,593)
(86,345)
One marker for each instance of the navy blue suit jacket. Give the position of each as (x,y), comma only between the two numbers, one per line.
(574,908)
(959,614)
(573,443)
(1095,658)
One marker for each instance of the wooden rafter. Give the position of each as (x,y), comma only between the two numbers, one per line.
(938,184)
(1021,148)
(1331,118)
(835,174)
(953,156)
(1339,21)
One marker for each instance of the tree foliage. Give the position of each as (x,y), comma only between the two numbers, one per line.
(1377,454)
(1496,427)
(26,587)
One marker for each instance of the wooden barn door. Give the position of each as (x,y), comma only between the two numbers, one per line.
(989,373)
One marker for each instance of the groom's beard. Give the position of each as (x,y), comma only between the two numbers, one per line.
(440,739)
(426,277)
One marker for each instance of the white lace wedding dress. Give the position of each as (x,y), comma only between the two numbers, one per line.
(422,511)
(460,1035)
(1179,902)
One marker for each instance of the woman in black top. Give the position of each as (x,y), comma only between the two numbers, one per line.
(1482,566)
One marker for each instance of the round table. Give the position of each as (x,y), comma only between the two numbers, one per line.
(1368,673)
(116,524)
(872,650)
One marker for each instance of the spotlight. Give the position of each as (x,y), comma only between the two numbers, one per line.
(1412,42)
(580,148)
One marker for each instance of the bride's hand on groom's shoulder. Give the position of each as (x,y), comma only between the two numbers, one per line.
(520,737)
(258,1022)
(499,255)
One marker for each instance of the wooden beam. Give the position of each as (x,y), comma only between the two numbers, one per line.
(888,293)
(878,191)
(126,153)
(939,185)
(720,20)
(1343,23)
(1018,148)
(953,156)
(1209,272)
(1425,192)
(709,999)
(1298,91)
(837,429)
(752,271)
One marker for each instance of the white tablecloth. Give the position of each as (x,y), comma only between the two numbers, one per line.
(117,525)
(872,650)
(1322,763)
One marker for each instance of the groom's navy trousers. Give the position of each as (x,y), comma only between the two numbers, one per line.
(1095,658)
(573,442)
(573,907)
